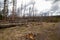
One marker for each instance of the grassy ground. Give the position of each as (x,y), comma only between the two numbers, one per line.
(43,31)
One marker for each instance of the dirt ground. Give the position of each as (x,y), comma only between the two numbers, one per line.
(39,31)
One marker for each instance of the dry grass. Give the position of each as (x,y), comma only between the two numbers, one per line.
(47,31)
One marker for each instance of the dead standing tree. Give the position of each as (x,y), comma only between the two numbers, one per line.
(5,12)
(14,10)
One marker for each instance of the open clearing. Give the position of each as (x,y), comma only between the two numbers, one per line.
(42,30)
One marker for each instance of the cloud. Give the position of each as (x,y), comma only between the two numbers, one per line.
(55,4)
(1,3)
(55,7)
(56,1)
(1,0)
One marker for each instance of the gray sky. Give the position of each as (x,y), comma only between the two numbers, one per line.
(41,5)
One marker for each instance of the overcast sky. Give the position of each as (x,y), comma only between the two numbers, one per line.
(41,5)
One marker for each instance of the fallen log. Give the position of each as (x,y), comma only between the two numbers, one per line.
(10,25)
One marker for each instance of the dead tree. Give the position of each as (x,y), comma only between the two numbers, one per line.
(21,9)
(30,12)
(33,10)
(24,11)
(5,12)
(0,6)
(14,10)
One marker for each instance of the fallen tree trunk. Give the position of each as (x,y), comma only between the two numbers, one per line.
(10,25)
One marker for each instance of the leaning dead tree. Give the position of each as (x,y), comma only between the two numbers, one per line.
(5,12)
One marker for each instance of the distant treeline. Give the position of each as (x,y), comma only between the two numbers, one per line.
(42,19)
(51,19)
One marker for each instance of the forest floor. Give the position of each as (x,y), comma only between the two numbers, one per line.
(41,30)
